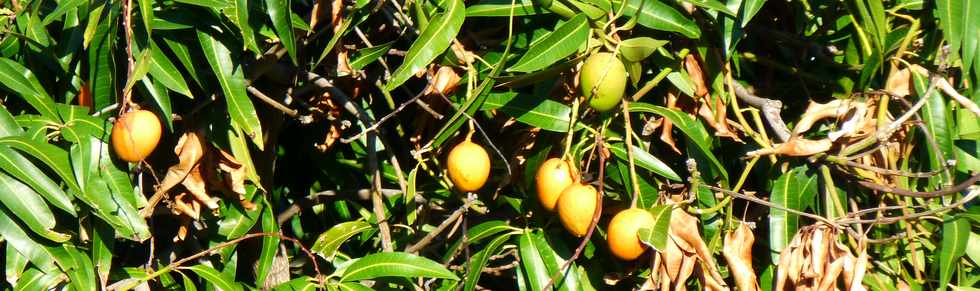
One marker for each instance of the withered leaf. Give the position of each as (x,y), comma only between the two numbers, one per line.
(738,254)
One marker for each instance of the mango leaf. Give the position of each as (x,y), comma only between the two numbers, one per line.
(139,70)
(161,97)
(638,48)
(434,40)
(657,15)
(557,45)
(749,9)
(788,191)
(546,114)
(214,278)
(103,241)
(366,56)
(327,243)
(28,206)
(645,160)
(502,8)
(479,261)
(63,7)
(14,265)
(216,4)
(712,4)
(656,236)
(36,280)
(938,121)
(553,262)
(21,81)
(270,245)
(279,13)
(692,129)
(238,13)
(956,234)
(163,70)
(478,233)
(38,254)
(232,81)
(52,156)
(146,11)
(395,264)
(531,263)
(24,170)
(101,56)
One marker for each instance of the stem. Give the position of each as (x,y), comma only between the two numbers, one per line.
(629,152)
(128,28)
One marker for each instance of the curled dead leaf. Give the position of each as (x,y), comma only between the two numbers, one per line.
(899,82)
(693,67)
(738,253)
(444,81)
(796,147)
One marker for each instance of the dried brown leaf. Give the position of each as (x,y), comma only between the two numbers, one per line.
(667,135)
(445,80)
(190,150)
(194,183)
(899,82)
(685,227)
(796,147)
(693,67)
(234,177)
(738,253)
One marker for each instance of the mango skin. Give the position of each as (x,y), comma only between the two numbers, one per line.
(135,135)
(623,229)
(468,166)
(576,205)
(610,91)
(553,176)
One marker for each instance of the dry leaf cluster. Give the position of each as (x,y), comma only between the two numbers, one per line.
(816,260)
(202,171)
(738,254)
(685,252)
(854,120)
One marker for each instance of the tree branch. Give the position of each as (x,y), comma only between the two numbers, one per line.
(770,110)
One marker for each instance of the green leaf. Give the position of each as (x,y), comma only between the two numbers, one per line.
(327,243)
(63,7)
(270,245)
(434,40)
(395,264)
(546,114)
(21,81)
(146,10)
(645,160)
(216,4)
(712,4)
(656,236)
(14,264)
(788,191)
(638,48)
(163,70)
(352,286)
(232,81)
(24,170)
(103,241)
(52,156)
(657,15)
(479,261)
(28,206)
(366,56)
(238,13)
(956,234)
(502,8)
(36,280)
(553,262)
(161,97)
(478,233)
(279,13)
(112,207)
(531,262)
(973,247)
(139,70)
(304,283)
(557,45)
(101,57)
(38,254)
(214,278)
(692,129)
(236,221)
(749,9)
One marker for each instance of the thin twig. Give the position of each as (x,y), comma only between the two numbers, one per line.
(377,124)
(966,102)
(427,239)
(771,205)
(929,194)
(888,220)
(128,28)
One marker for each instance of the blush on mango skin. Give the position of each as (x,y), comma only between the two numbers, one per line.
(135,135)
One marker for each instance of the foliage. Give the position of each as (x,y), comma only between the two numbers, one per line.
(305,142)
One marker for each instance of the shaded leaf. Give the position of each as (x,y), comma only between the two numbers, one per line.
(232,81)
